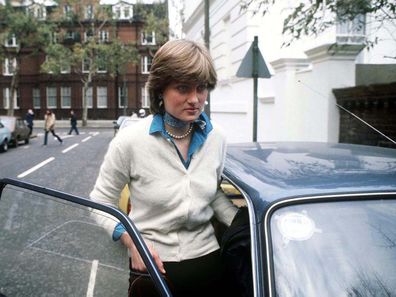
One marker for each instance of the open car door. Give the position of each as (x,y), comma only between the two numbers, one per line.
(56,244)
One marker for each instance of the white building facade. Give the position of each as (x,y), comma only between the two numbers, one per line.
(296,103)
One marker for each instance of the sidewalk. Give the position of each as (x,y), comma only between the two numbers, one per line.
(66,124)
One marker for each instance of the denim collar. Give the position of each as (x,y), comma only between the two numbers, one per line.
(198,138)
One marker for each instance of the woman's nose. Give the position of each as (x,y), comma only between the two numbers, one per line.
(193,96)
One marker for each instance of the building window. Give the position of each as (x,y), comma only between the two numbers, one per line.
(36,98)
(102,66)
(103,36)
(11,41)
(65,68)
(38,11)
(67,11)
(148,38)
(352,31)
(102,97)
(145,98)
(85,65)
(88,97)
(9,66)
(88,35)
(122,97)
(146,64)
(51,97)
(66,97)
(122,12)
(89,12)
(7,99)
(69,35)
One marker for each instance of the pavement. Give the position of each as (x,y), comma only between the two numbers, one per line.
(66,124)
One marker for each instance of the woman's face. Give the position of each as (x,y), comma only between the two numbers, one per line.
(185,101)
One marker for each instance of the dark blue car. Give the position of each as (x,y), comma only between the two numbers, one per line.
(315,219)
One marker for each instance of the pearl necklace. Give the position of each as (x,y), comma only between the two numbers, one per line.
(180,136)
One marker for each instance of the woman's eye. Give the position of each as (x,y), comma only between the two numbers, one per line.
(201,88)
(182,88)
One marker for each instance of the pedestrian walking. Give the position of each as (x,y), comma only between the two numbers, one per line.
(73,123)
(29,120)
(49,126)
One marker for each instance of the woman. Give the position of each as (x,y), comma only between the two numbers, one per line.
(172,163)
(49,126)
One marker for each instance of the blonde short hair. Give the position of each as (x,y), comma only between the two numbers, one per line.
(182,61)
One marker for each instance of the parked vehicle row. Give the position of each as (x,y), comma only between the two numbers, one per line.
(12,131)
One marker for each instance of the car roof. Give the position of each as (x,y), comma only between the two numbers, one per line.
(268,172)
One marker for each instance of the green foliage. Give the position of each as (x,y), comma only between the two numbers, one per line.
(311,17)
(155,18)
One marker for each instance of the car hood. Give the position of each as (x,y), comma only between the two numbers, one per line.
(268,172)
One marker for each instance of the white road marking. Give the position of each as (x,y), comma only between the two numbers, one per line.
(87,138)
(36,167)
(67,136)
(70,148)
(92,278)
(26,146)
(94,133)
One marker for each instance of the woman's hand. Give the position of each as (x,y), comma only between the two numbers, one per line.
(137,261)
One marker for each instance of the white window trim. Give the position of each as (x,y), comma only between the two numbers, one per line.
(119,11)
(51,106)
(36,95)
(13,42)
(89,12)
(120,97)
(63,105)
(7,99)
(87,37)
(6,66)
(145,67)
(144,39)
(97,95)
(103,36)
(145,97)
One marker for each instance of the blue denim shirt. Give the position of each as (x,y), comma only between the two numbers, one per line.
(203,128)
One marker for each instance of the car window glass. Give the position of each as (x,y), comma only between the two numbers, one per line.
(50,247)
(341,248)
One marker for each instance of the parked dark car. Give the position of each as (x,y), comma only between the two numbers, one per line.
(5,136)
(19,129)
(315,219)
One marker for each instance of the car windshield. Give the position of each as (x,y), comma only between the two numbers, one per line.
(8,122)
(51,247)
(340,248)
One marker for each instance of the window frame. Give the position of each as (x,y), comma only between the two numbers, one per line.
(100,96)
(65,95)
(36,97)
(53,97)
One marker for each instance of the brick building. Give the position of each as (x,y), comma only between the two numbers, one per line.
(62,92)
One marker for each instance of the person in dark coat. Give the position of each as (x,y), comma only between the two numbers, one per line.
(73,123)
(29,120)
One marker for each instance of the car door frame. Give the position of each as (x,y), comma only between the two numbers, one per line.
(130,227)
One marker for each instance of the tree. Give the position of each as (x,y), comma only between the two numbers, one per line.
(22,33)
(311,17)
(97,50)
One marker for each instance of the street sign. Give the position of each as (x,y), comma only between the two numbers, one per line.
(253,65)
